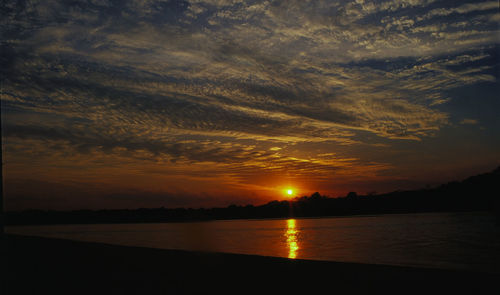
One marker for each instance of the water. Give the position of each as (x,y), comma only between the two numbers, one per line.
(466,241)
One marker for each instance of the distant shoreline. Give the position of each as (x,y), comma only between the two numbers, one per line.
(476,193)
(263,219)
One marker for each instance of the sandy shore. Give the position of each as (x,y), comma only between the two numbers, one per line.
(47,266)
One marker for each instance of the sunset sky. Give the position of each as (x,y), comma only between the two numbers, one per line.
(128,104)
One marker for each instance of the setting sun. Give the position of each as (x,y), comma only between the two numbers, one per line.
(289,192)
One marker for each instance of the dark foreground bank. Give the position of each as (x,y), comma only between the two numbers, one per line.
(47,266)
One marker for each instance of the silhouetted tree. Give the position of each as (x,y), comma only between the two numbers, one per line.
(352,195)
(316,195)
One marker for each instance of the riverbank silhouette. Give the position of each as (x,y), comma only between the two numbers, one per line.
(476,193)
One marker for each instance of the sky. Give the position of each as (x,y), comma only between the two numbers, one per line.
(203,103)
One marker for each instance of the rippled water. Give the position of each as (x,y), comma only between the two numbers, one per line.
(441,240)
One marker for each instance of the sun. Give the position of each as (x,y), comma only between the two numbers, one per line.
(288,192)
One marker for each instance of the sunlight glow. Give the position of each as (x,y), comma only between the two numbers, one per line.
(289,192)
(291,239)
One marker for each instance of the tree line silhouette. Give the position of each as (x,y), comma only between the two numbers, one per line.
(476,193)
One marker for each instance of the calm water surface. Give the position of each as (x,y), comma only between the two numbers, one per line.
(441,240)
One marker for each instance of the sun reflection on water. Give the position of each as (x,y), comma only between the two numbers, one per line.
(291,239)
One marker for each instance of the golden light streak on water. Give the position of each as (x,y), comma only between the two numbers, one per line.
(291,239)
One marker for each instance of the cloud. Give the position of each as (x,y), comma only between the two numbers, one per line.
(462,9)
(115,61)
(469,122)
(235,82)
